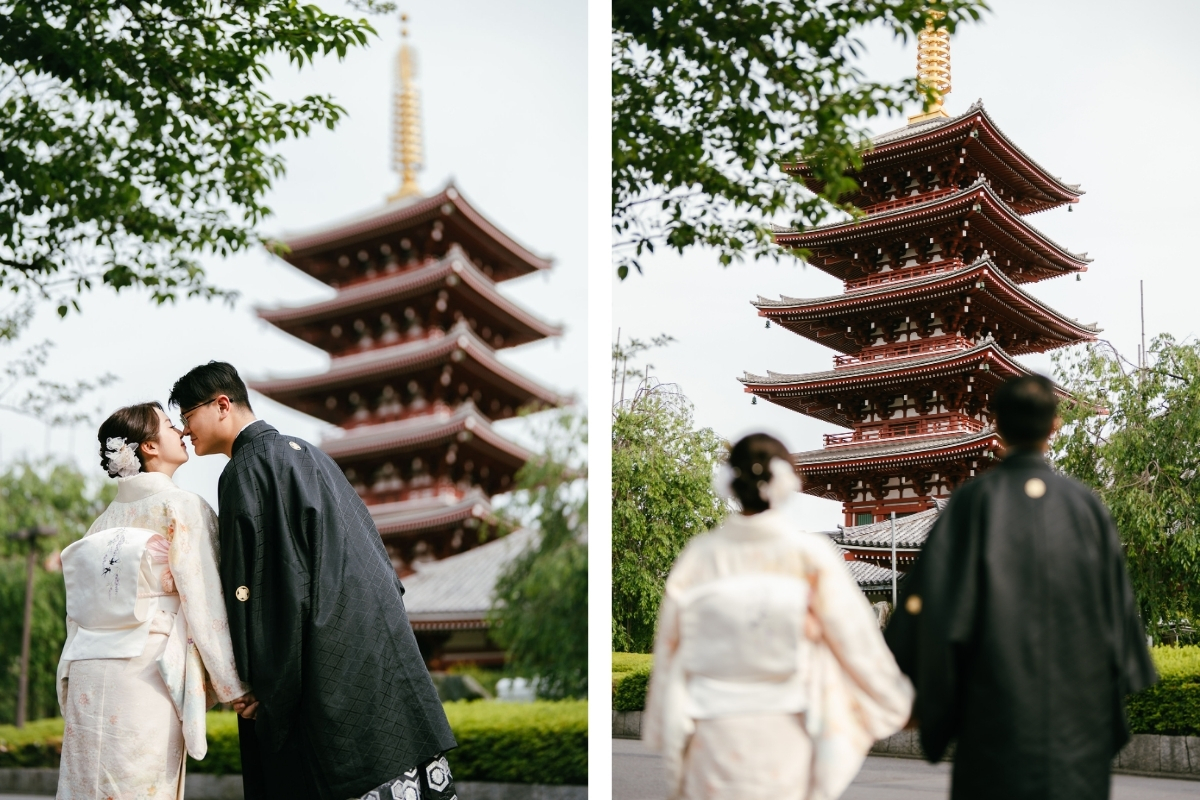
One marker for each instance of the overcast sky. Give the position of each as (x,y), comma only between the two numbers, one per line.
(503,98)
(1100,93)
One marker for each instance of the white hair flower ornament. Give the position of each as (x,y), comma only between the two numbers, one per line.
(122,460)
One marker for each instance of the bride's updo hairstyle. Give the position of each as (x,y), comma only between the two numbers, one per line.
(135,424)
(750,462)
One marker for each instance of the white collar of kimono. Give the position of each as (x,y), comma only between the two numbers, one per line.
(768,524)
(140,486)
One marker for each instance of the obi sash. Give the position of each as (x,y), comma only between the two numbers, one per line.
(742,645)
(108,576)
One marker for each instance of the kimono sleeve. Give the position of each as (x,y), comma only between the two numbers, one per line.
(193,562)
(884,696)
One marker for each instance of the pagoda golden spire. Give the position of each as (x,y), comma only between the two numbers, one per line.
(407,157)
(933,65)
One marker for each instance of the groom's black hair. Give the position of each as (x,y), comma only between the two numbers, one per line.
(206,382)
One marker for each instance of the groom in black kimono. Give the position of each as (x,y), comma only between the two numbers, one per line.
(342,705)
(1018,625)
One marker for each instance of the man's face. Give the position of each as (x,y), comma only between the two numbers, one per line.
(202,423)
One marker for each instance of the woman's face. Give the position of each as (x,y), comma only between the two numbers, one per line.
(169,450)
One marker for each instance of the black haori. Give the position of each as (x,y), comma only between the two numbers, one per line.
(319,631)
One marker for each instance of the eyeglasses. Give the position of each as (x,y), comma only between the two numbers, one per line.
(183,423)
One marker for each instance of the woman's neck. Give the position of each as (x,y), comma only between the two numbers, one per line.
(156,465)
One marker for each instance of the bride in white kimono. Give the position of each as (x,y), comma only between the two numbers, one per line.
(130,721)
(771,678)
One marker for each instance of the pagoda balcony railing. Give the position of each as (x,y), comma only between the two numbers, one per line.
(912,200)
(936,426)
(904,350)
(908,273)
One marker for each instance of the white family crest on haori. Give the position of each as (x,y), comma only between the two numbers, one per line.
(108,578)
(122,460)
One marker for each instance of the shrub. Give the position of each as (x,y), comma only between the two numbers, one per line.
(543,742)
(1171,706)
(630,693)
(628,662)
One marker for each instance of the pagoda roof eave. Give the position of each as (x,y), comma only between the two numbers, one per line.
(403,435)
(881,371)
(896,144)
(790,390)
(938,209)
(896,453)
(405,284)
(408,517)
(888,296)
(403,358)
(397,216)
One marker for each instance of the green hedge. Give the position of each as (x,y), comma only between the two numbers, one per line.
(630,693)
(1171,706)
(636,668)
(542,742)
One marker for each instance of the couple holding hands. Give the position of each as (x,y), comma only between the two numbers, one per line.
(284,605)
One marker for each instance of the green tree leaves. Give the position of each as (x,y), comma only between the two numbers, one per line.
(44,494)
(710,96)
(540,609)
(135,136)
(662,496)
(1134,436)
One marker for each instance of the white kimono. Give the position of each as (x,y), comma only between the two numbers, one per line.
(129,721)
(771,678)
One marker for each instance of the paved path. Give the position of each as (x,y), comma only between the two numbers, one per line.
(637,775)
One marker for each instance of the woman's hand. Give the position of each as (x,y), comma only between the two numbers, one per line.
(246,706)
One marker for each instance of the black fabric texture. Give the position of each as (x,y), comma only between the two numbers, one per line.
(1026,640)
(322,637)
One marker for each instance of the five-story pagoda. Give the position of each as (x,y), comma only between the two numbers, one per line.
(933,309)
(414,382)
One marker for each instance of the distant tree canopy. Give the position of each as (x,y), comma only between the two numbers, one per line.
(135,136)
(709,96)
(1134,436)
(43,494)
(540,611)
(662,496)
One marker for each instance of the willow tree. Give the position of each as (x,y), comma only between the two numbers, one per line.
(1133,434)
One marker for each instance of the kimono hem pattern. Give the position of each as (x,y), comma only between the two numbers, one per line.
(742,703)
(129,722)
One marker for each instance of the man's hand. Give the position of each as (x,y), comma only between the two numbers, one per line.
(246,706)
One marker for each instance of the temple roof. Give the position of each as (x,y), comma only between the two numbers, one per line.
(478,235)
(804,316)
(426,431)
(977,203)
(460,589)
(870,577)
(430,513)
(911,531)
(990,147)
(429,277)
(851,458)
(458,345)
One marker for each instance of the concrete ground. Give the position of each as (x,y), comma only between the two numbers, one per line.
(637,775)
